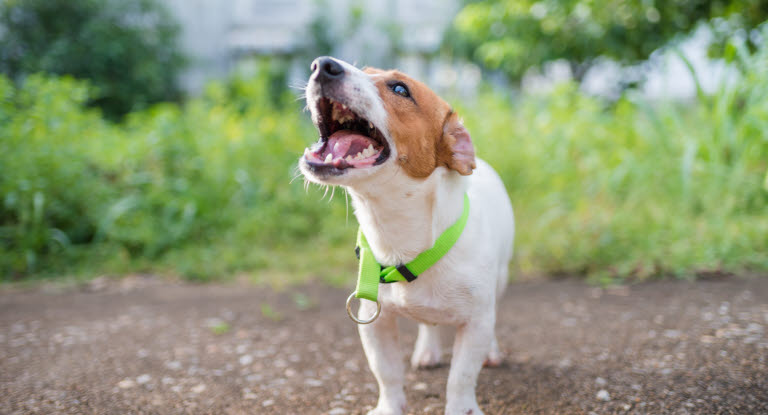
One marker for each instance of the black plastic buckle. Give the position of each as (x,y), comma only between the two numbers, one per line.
(405,272)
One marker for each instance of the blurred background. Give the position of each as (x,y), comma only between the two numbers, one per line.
(162,136)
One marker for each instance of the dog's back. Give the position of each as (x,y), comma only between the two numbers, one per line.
(488,195)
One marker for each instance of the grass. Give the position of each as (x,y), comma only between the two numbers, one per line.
(632,189)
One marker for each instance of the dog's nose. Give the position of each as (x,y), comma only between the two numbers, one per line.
(327,69)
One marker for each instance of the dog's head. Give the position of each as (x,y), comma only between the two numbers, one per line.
(373,120)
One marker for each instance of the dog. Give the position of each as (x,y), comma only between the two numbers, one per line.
(407,161)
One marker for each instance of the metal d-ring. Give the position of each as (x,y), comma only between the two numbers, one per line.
(357,320)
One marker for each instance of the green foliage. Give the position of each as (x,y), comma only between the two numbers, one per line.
(126,48)
(635,189)
(631,189)
(202,190)
(512,36)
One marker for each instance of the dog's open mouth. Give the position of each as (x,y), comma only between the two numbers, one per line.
(347,140)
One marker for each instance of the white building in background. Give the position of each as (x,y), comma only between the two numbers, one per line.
(219,35)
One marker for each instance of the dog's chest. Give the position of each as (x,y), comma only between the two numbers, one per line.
(426,303)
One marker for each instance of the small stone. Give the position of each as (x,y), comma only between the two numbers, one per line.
(352,366)
(198,388)
(254,378)
(268,402)
(313,382)
(600,381)
(337,411)
(603,395)
(249,396)
(421,386)
(173,365)
(143,379)
(126,384)
(672,334)
(246,359)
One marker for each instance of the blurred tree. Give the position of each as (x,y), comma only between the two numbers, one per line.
(514,35)
(126,48)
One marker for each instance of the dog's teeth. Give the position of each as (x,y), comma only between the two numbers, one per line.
(359,156)
(349,159)
(370,125)
(370,148)
(328,158)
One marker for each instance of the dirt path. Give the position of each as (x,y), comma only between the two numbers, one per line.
(147,346)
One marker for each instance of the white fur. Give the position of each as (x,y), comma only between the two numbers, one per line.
(402,216)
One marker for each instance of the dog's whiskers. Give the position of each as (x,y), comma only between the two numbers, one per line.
(301,86)
(296,175)
(346,205)
(326,191)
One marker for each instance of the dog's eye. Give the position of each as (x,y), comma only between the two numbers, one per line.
(401,89)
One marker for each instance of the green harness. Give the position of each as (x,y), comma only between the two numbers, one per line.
(371,273)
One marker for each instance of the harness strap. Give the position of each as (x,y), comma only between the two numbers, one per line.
(371,273)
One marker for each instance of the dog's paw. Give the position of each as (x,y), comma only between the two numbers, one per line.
(494,357)
(493,360)
(427,358)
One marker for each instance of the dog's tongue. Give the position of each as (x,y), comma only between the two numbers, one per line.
(348,143)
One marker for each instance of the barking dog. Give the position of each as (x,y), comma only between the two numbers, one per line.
(407,162)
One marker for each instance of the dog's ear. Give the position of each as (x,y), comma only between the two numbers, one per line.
(455,149)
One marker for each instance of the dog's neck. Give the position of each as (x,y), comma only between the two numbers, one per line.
(402,218)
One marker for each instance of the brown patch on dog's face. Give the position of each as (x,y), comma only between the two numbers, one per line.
(425,130)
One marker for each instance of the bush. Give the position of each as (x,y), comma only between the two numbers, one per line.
(81,193)
(634,189)
(126,48)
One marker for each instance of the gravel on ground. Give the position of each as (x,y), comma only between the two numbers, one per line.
(149,346)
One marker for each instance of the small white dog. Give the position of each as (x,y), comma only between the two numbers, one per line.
(407,162)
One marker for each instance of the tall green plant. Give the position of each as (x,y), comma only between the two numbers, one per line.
(76,189)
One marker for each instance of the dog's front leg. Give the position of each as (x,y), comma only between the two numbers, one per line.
(469,352)
(384,358)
